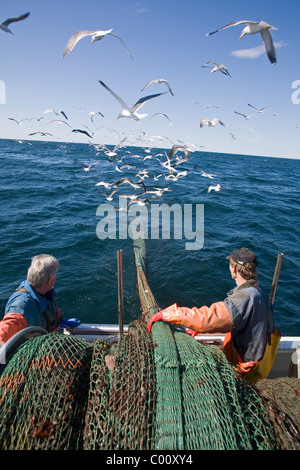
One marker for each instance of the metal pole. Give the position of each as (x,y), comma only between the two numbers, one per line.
(120,293)
(275,278)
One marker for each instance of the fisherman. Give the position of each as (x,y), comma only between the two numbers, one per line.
(245,316)
(34,301)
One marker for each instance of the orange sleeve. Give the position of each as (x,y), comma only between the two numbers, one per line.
(213,319)
(10,325)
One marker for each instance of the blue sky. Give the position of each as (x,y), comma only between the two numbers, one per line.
(167,39)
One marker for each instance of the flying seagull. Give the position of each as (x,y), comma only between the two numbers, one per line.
(207,175)
(135,185)
(59,121)
(218,187)
(19,122)
(41,133)
(96,36)
(109,197)
(159,80)
(212,123)
(258,110)
(93,113)
(175,148)
(254,27)
(245,116)
(56,112)
(105,184)
(140,202)
(131,112)
(87,167)
(81,132)
(216,68)
(4,25)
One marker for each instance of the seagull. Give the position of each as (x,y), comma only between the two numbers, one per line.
(158,191)
(132,183)
(175,149)
(93,113)
(254,27)
(257,109)
(140,202)
(159,80)
(120,168)
(207,175)
(87,167)
(113,152)
(22,141)
(132,196)
(216,68)
(208,105)
(245,116)
(212,123)
(215,188)
(160,114)
(103,183)
(110,196)
(131,112)
(19,122)
(42,133)
(60,122)
(96,36)
(81,132)
(4,25)
(56,112)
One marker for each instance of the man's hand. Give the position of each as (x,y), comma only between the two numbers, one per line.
(192,333)
(170,314)
(71,323)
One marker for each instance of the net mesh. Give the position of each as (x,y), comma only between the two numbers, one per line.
(161,390)
(43,394)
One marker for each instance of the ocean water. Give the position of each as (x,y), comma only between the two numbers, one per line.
(49,205)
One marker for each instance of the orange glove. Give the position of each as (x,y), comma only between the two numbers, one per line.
(170,314)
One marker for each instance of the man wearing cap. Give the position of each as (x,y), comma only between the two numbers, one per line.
(244,316)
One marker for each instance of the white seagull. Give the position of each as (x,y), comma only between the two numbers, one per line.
(87,167)
(212,123)
(106,185)
(136,185)
(56,112)
(131,112)
(140,202)
(96,36)
(19,122)
(4,25)
(244,115)
(216,68)
(258,110)
(109,197)
(159,80)
(207,175)
(175,148)
(218,187)
(93,113)
(254,27)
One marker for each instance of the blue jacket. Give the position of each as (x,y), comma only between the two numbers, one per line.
(248,308)
(38,310)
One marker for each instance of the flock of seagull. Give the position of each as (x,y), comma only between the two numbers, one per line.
(172,160)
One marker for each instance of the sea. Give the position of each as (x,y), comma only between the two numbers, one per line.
(50,204)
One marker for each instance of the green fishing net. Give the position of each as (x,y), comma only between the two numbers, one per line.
(162,390)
